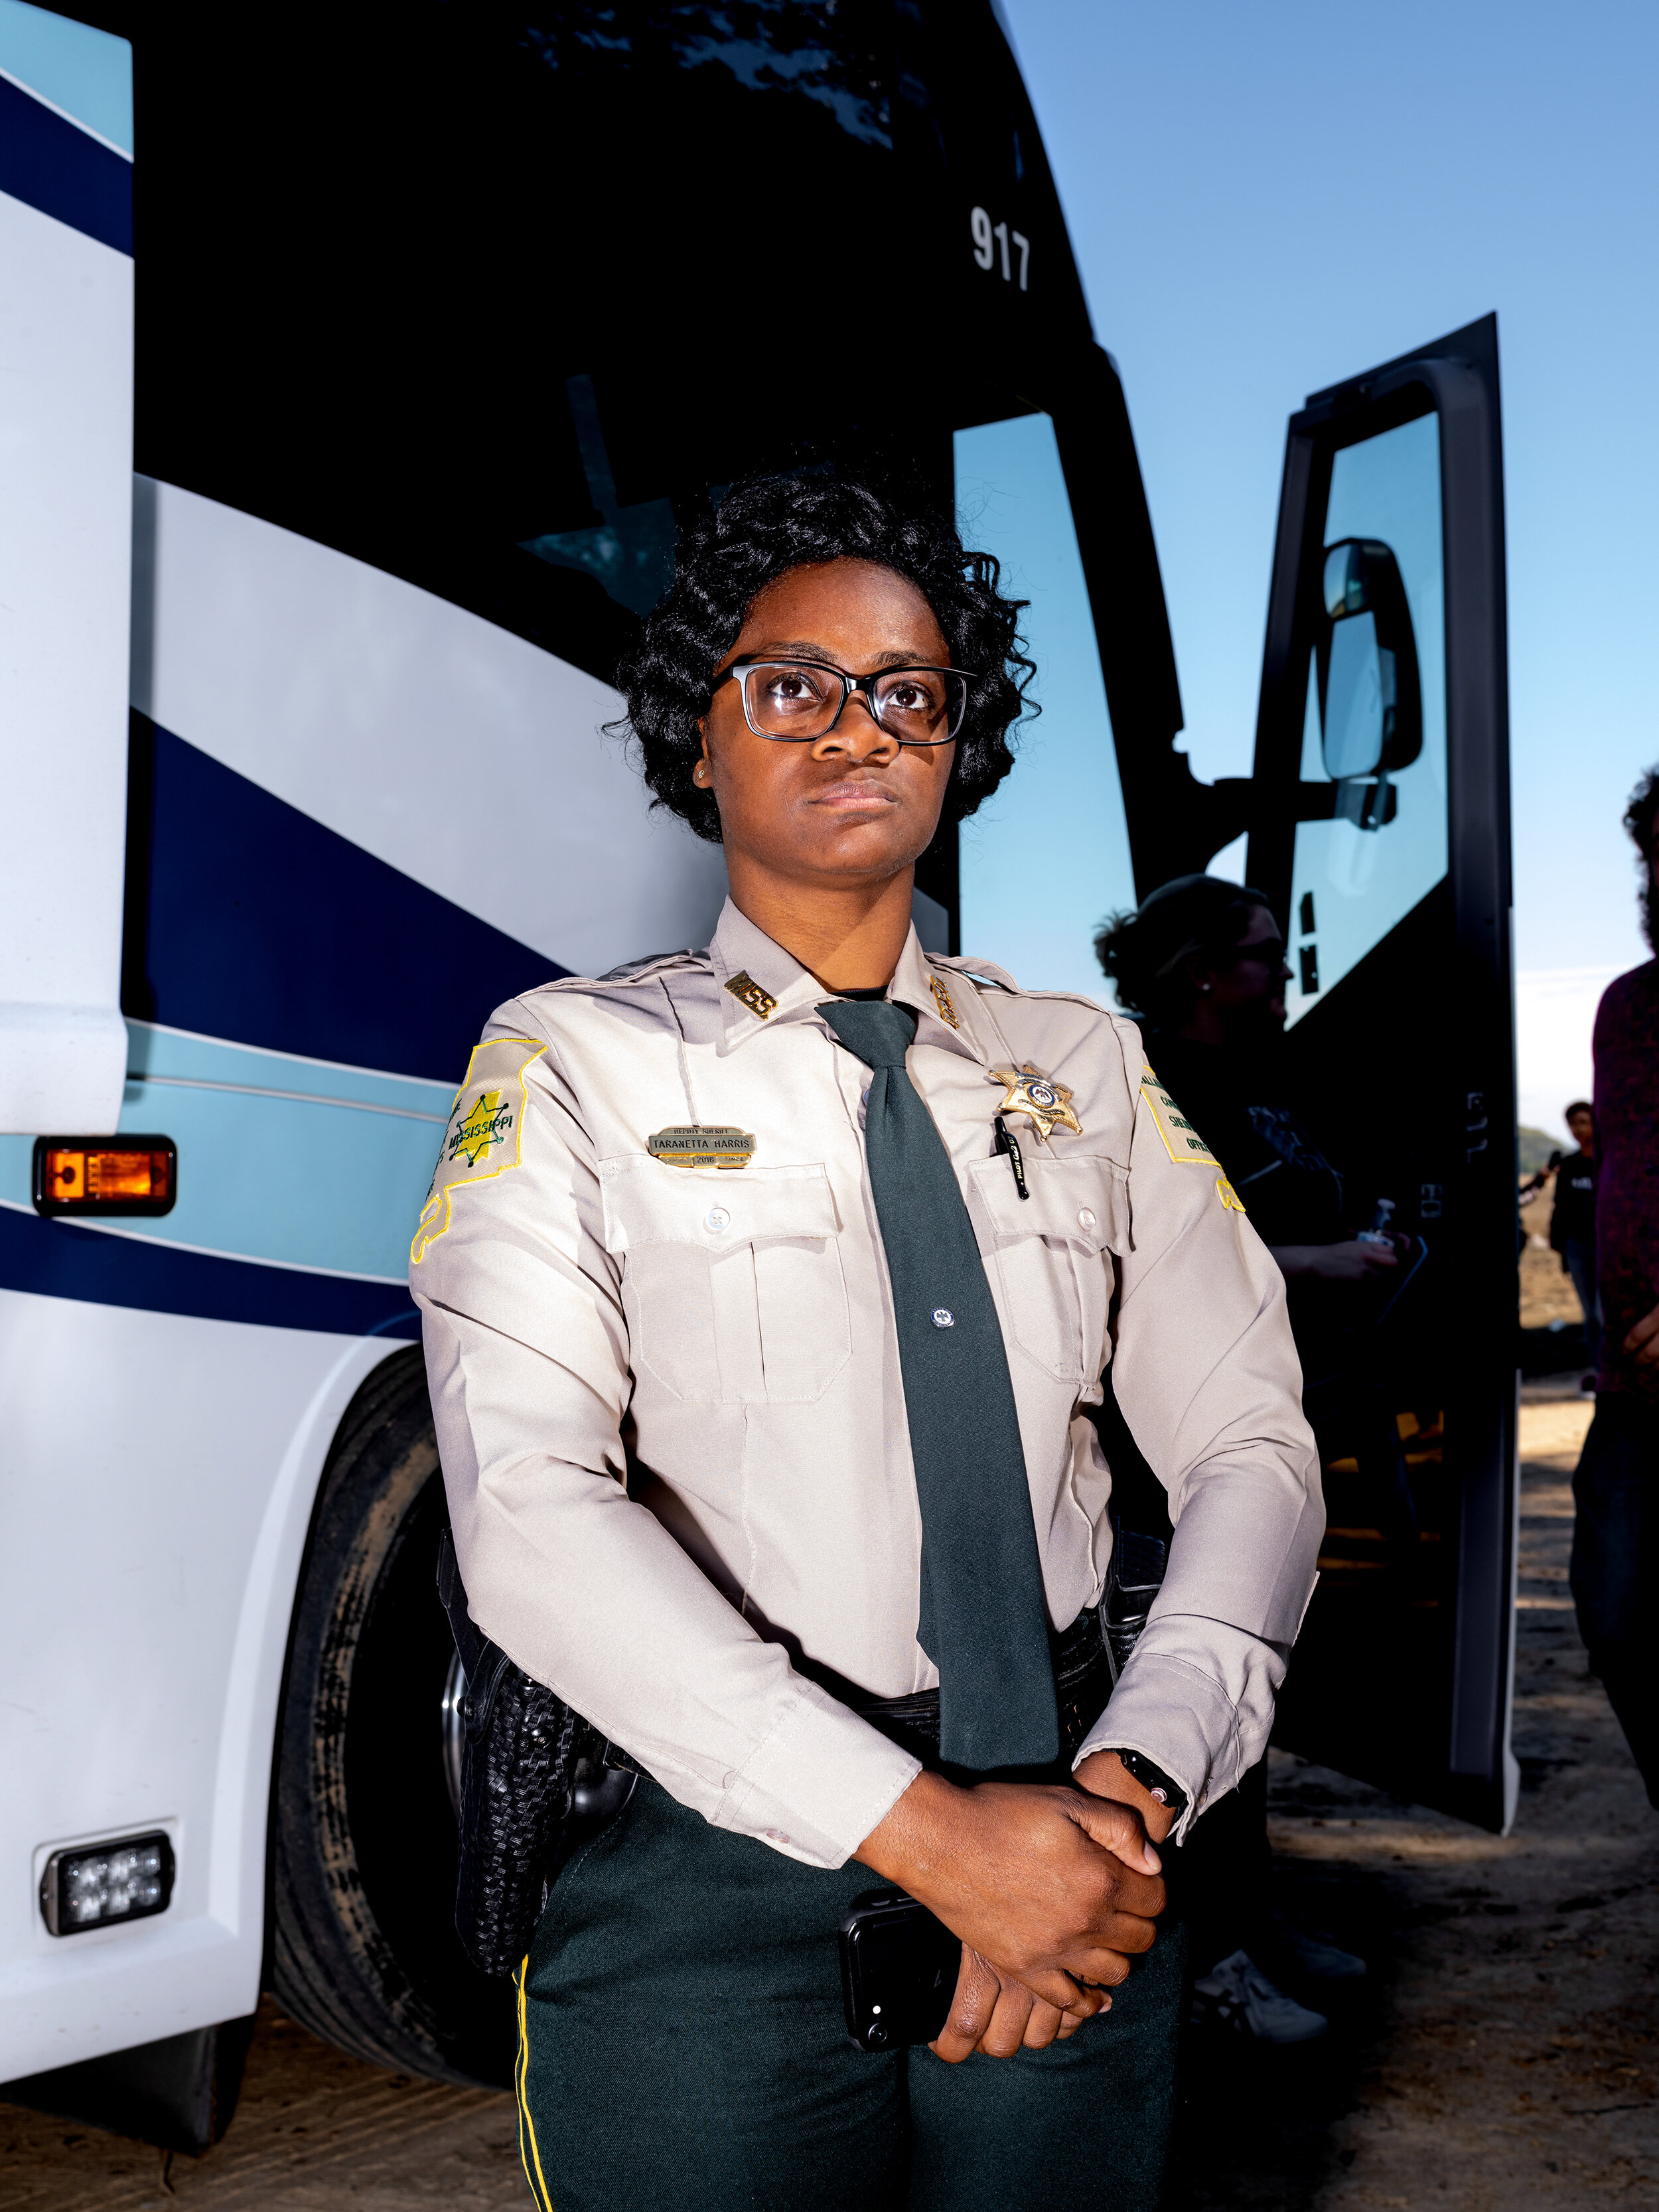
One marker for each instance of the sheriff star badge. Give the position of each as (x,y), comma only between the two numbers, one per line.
(1044,1103)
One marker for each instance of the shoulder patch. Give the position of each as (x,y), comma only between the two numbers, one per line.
(1229,1197)
(1180,1140)
(484,1131)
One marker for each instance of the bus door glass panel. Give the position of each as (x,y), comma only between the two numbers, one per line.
(1379,833)
(1370,844)
(1046,859)
(1357,874)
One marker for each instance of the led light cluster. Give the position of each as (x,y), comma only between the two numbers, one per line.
(94,1175)
(126,1880)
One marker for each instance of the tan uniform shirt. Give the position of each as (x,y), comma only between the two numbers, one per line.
(669,1402)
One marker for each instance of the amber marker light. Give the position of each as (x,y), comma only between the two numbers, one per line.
(105,1176)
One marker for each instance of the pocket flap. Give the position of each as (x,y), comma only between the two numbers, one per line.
(1079,1200)
(647,1202)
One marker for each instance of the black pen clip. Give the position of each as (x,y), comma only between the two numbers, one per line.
(1009,1143)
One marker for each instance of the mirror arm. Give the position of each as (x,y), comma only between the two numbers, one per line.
(1316,802)
(1231,804)
(1177,822)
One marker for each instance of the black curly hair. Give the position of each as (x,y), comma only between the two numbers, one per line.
(1146,951)
(765,526)
(1639,817)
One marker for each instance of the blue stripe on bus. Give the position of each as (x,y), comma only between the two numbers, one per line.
(247,918)
(86,73)
(163,1055)
(58,1259)
(49,163)
(302,1183)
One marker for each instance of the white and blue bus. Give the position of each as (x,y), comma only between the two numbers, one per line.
(312,593)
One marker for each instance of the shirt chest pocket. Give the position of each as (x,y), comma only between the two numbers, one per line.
(1052,1254)
(731,1282)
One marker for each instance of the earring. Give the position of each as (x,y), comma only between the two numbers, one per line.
(700,774)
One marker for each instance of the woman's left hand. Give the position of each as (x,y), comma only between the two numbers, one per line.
(1104,1775)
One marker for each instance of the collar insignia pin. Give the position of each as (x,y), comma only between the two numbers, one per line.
(748,993)
(947,1012)
(1044,1103)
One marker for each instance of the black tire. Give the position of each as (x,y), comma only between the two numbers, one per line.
(363,1848)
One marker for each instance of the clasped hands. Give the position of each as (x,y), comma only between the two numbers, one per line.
(1052,1890)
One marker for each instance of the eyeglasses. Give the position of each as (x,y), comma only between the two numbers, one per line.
(799,700)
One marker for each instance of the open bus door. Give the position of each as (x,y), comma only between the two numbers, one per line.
(1378,821)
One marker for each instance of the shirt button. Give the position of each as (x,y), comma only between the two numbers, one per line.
(1084,1219)
(943,1318)
(717,1218)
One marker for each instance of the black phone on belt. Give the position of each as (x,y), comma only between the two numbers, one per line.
(898,1970)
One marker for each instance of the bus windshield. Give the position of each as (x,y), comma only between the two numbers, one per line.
(1046,858)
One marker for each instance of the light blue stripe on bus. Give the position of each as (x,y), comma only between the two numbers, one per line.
(331,1175)
(86,74)
(159,1054)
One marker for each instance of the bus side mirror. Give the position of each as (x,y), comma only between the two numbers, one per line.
(1371,700)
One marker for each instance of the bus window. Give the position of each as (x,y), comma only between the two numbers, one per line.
(1046,858)
(1356,875)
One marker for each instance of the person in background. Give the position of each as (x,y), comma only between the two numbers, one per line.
(1572,1224)
(1615,1545)
(1202,965)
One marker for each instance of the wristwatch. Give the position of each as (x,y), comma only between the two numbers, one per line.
(1153,1779)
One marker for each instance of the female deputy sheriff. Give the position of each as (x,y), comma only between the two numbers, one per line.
(762,1305)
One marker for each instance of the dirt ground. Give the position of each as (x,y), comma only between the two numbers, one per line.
(1501,2052)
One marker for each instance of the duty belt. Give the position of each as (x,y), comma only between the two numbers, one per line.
(1082,1682)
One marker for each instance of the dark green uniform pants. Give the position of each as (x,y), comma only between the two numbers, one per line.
(682,2043)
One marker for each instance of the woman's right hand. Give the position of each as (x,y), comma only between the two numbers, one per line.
(1048,1887)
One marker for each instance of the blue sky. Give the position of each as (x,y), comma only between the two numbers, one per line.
(1265,199)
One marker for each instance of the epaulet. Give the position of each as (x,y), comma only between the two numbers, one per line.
(631,971)
(1080,999)
(656,964)
(974,970)
(987,971)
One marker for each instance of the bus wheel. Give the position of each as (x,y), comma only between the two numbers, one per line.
(364,1948)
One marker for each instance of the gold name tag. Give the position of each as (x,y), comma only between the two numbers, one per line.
(697,1147)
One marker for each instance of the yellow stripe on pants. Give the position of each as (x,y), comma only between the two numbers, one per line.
(529,2155)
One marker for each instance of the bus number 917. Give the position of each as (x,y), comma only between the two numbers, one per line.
(989,238)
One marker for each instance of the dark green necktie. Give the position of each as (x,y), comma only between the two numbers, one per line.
(983,1623)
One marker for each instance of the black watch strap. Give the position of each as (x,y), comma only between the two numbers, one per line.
(1154,1779)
